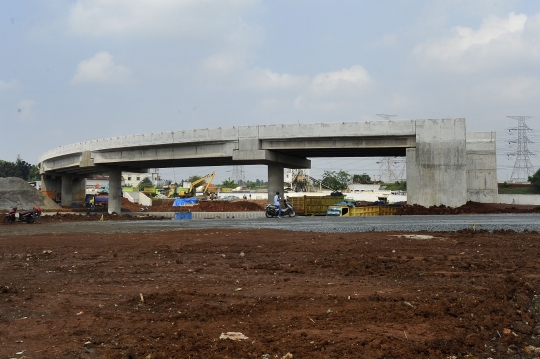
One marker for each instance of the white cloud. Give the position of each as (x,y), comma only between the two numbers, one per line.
(222,63)
(333,91)
(9,85)
(268,79)
(496,43)
(25,109)
(352,80)
(101,69)
(148,18)
(509,90)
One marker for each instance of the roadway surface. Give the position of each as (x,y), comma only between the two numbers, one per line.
(440,223)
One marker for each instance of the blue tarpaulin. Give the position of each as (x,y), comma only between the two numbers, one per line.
(183,201)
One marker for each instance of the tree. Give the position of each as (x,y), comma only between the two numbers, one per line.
(146,182)
(363,179)
(535,181)
(337,181)
(34,174)
(194,178)
(251,184)
(229,183)
(19,169)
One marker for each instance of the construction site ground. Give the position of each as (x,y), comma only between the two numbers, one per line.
(176,294)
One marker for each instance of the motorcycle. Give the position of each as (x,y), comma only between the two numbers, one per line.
(272,210)
(29,216)
(10,216)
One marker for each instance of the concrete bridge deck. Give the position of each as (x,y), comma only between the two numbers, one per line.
(444,163)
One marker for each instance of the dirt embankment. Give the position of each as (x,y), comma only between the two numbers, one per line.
(469,208)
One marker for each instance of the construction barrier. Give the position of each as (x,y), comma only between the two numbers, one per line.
(314,205)
(364,211)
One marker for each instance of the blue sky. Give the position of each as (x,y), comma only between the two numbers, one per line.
(74,71)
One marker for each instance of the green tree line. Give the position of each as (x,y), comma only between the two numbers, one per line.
(19,168)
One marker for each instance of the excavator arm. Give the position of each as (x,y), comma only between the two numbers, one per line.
(202,179)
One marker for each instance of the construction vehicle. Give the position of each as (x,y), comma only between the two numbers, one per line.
(191,192)
(193,186)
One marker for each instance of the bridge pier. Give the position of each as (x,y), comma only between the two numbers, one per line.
(67,191)
(275,181)
(437,167)
(115,191)
(51,183)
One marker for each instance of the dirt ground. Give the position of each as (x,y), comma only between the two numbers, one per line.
(293,295)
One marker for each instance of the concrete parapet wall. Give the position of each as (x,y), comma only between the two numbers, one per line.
(527,199)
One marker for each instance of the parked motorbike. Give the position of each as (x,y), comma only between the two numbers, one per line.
(31,215)
(10,216)
(272,210)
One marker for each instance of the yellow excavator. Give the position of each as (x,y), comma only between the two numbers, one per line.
(174,191)
(192,188)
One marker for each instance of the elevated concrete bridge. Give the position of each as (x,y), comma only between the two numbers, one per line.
(444,163)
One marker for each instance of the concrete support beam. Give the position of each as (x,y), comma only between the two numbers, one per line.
(482,167)
(275,181)
(67,191)
(437,167)
(115,191)
(262,156)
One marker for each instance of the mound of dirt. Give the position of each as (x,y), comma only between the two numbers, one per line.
(201,206)
(16,192)
(468,208)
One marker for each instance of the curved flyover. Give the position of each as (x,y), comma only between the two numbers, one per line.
(435,151)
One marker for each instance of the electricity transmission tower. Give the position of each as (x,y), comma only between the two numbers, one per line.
(239,176)
(391,169)
(523,167)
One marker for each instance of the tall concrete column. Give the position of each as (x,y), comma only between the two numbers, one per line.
(482,167)
(115,191)
(275,181)
(50,183)
(79,190)
(437,167)
(67,191)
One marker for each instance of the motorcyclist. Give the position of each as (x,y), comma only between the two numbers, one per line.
(277,204)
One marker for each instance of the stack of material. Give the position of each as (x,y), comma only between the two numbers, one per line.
(16,192)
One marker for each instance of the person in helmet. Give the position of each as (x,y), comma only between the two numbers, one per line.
(277,204)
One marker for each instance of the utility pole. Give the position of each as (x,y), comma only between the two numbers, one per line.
(523,167)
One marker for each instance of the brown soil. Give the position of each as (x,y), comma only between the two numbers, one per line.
(201,206)
(469,208)
(346,295)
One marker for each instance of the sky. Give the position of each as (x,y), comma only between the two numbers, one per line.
(81,70)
